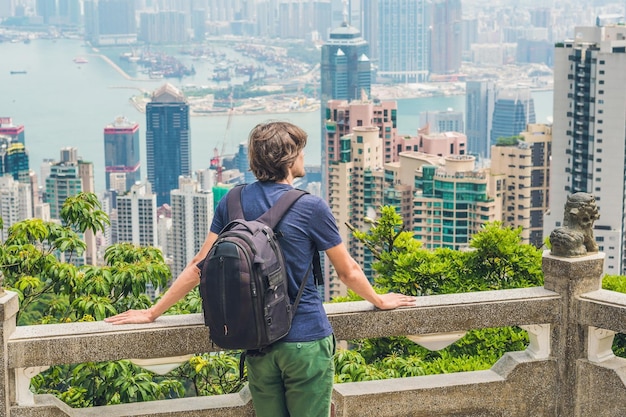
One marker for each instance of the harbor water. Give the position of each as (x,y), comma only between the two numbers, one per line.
(64,102)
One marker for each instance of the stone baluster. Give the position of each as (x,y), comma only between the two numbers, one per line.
(9,306)
(570,277)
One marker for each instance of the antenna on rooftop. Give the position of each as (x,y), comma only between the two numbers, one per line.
(345,11)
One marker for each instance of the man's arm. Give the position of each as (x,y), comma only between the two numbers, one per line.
(351,274)
(186,281)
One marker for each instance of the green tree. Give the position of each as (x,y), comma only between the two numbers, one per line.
(617,283)
(496,259)
(53,291)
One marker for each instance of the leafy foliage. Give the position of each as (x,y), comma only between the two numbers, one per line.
(508,141)
(53,291)
(213,373)
(617,283)
(94,384)
(31,259)
(496,259)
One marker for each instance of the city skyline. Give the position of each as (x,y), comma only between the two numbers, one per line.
(167,134)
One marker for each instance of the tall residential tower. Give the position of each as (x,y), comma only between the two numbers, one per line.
(513,110)
(480,98)
(345,68)
(121,151)
(167,141)
(345,75)
(403,40)
(589,134)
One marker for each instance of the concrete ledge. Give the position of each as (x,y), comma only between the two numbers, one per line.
(604,309)
(525,388)
(230,405)
(55,344)
(447,313)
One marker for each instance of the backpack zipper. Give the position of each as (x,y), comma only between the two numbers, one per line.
(223,293)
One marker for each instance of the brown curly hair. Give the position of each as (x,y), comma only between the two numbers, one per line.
(273,147)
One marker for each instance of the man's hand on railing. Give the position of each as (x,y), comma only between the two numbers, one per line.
(132,316)
(393,300)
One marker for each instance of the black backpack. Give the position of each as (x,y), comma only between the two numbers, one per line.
(243,280)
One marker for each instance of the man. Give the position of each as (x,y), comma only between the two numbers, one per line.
(295,377)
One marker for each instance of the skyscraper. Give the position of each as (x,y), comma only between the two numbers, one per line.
(47,10)
(442,121)
(14,160)
(480,97)
(164,27)
(345,75)
(167,141)
(452,200)
(15,203)
(446,41)
(345,67)
(243,165)
(357,180)
(109,22)
(64,181)
(360,137)
(343,116)
(403,40)
(121,151)
(525,167)
(137,216)
(15,132)
(588,134)
(369,25)
(192,214)
(67,178)
(513,109)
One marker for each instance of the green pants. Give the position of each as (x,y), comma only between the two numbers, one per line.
(293,379)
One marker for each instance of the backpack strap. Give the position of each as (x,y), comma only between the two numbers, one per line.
(271,218)
(233,202)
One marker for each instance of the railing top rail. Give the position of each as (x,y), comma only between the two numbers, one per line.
(54,344)
(603,309)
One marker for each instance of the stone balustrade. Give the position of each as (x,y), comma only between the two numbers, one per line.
(568,368)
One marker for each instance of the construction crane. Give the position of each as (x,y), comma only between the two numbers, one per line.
(218,156)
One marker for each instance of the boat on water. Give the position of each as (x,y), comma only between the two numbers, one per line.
(80,60)
(18,72)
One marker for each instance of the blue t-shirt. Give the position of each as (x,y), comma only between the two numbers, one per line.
(308,226)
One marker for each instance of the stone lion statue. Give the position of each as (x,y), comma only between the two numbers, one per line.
(576,238)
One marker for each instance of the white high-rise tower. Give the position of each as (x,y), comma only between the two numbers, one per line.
(192,214)
(589,134)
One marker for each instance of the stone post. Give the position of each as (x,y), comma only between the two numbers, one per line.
(570,277)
